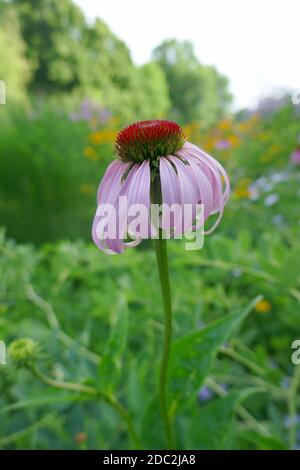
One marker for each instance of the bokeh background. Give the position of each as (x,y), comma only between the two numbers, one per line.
(71,83)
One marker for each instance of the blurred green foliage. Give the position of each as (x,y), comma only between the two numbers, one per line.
(98,323)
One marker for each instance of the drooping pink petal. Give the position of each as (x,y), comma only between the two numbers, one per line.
(121,193)
(212,163)
(138,193)
(108,191)
(201,181)
(216,173)
(178,187)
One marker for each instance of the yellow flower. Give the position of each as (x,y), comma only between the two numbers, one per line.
(192,130)
(241,193)
(90,153)
(244,182)
(263,306)
(248,125)
(233,140)
(225,124)
(243,126)
(103,136)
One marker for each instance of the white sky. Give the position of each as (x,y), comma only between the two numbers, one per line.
(256,43)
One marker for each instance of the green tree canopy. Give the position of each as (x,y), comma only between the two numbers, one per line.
(70,55)
(53,32)
(197,92)
(14,68)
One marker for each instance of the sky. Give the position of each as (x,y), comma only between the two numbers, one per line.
(255,43)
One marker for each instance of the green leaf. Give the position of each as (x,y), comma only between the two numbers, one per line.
(211,426)
(152,432)
(192,356)
(36,402)
(110,365)
(263,442)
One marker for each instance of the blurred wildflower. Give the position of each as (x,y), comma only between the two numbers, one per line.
(291,421)
(225,124)
(271,199)
(233,140)
(205,394)
(243,189)
(295,156)
(23,350)
(103,136)
(246,126)
(242,193)
(192,131)
(254,193)
(278,219)
(285,382)
(236,272)
(222,144)
(263,306)
(263,184)
(90,153)
(278,177)
(91,112)
(80,438)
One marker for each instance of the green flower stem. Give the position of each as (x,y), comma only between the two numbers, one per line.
(91,391)
(162,262)
(18,435)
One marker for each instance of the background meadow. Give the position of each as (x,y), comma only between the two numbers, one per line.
(69,313)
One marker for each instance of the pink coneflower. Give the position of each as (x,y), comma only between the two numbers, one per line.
(188,175)
(156,165)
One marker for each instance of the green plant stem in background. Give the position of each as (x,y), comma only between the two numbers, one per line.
(93,392)
(162,261)
(292,408)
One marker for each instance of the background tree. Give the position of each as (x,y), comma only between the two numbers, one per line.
(53,32)
(69,55)
(197,92)
(14,68)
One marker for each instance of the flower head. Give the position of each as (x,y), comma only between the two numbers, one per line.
(188,176)
(263,306)
(149,140)
(23,350)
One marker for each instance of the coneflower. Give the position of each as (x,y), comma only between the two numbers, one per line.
(188,176)
(156,165)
